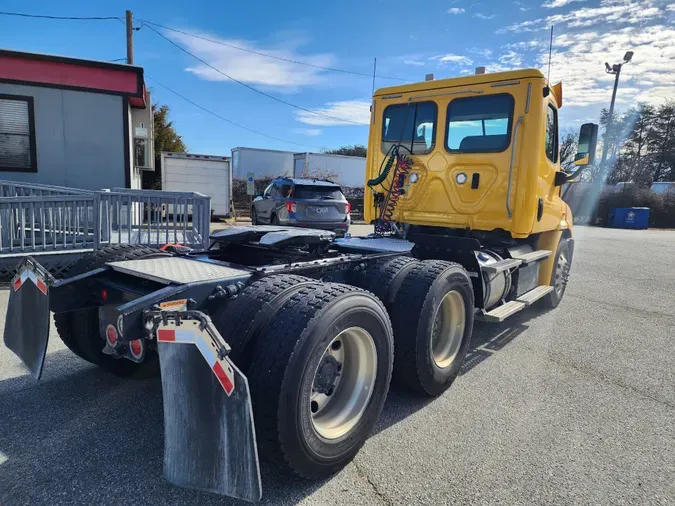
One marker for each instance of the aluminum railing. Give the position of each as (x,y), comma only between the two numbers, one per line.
(42,218)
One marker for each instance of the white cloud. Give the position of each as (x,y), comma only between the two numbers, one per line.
(455,10)
(552,4)
(511,59)
(481,52)
(312,132)
(352,111)
(414,62)
(454,59)
(483,16)
(618,12)
(578,60)
(253,68)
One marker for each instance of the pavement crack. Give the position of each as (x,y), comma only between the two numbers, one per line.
(379,493)
(591,372)
(621,306)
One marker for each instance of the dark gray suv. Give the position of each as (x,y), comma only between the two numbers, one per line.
(311,203)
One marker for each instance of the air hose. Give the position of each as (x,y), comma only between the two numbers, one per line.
(384,173)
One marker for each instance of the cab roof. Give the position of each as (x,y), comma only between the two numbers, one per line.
(462,81)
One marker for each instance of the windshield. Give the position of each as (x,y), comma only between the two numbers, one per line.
(479,124)
(317,192)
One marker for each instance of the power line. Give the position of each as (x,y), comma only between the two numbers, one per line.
(267,55)
(72,18)
(342,120)
(228,120)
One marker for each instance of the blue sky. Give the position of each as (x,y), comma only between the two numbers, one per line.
(447,38)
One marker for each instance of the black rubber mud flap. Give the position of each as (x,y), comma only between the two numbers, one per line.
(27,323)
(209,437)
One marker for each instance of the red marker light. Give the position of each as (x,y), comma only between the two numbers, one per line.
(348,208)
(136,348)
(104,295)
(111,335)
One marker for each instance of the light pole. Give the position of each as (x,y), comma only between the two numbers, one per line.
(616,70)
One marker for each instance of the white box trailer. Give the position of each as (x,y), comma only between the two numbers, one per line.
(262,162)
(206,174)
(350,170)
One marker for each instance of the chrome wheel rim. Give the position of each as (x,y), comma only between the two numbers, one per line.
(560,273)
(448,329)
(343,383)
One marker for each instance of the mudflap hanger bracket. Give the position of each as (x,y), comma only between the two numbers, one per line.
(209,436)
(27,324)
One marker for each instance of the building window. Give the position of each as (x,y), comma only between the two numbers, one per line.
(552,134)
(17,134)
(479,124)
(410,125)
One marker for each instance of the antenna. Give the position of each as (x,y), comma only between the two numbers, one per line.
(550,50)
(374,70)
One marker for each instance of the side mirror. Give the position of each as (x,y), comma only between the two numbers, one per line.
(588,140)
(561,178)
(257,198)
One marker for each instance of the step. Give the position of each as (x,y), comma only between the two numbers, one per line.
(501,313)
(501,266)
(529,298)
(533,256)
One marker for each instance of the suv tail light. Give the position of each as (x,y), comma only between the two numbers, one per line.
(291,206)
(348,208)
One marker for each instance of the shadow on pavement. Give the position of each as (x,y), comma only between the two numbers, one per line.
(88,437)
(91,438)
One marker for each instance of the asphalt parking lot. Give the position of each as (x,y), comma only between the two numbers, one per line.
(573,406)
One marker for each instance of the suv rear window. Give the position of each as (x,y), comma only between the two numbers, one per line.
(479,124)
(302,191)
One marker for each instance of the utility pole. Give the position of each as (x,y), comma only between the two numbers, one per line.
(616,70)
(130,38)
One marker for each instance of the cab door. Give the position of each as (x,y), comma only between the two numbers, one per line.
(548,195)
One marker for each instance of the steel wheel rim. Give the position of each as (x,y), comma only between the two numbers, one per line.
(335,413)
(448,329)
(559,273)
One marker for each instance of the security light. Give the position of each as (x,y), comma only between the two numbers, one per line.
(607,67)
(628,56)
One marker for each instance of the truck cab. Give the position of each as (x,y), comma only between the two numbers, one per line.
(484,151)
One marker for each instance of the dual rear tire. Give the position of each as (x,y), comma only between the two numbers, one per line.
(319,356)
(318,366)
(431,307)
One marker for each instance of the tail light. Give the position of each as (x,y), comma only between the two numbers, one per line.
(111,335)
(348,208)
(291,206)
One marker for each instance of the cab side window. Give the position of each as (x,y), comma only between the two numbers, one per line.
(552,134)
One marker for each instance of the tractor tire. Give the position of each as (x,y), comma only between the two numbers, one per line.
(561,267)
(319,378)
(79,330)
(242,320)
(384,278)
(432,317)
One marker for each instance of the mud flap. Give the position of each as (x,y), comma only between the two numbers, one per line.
(209,437)
(27,322)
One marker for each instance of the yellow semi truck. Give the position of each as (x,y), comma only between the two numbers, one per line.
(285,340)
